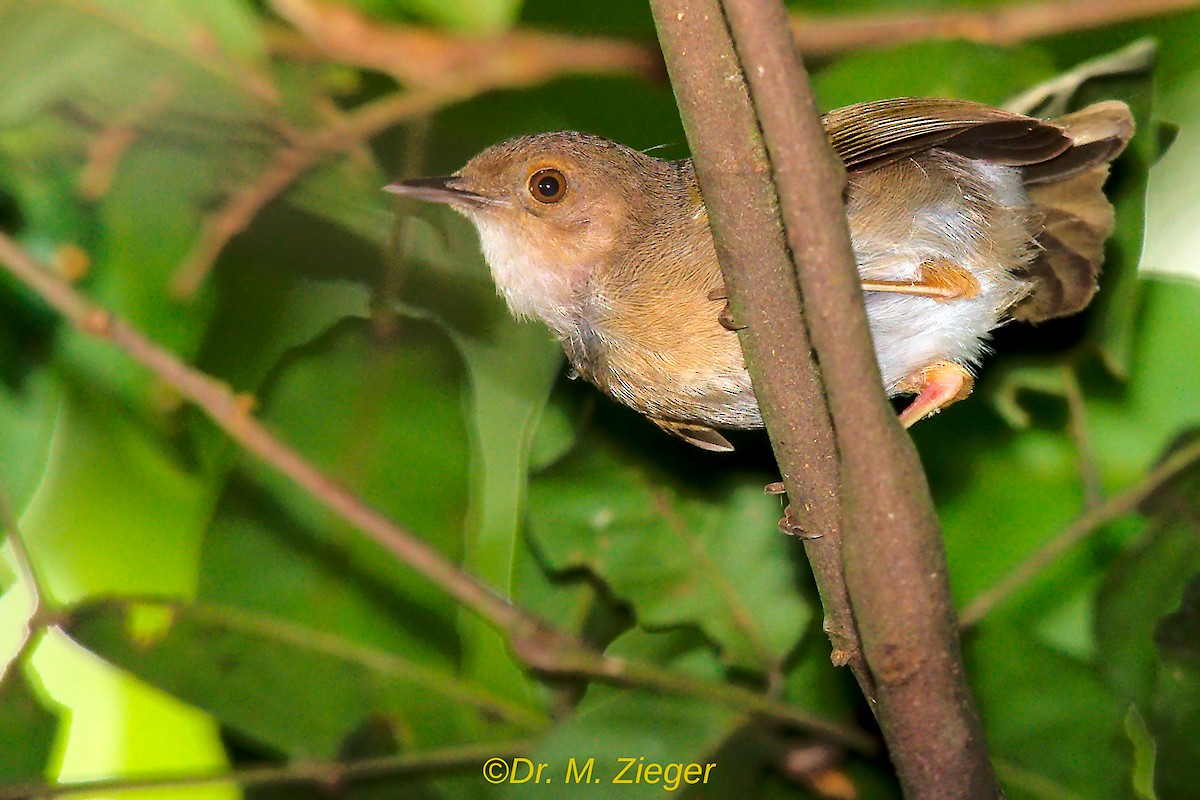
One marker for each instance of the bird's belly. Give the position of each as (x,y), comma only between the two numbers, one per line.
(912,332)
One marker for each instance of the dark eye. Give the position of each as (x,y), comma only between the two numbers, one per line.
(547,185)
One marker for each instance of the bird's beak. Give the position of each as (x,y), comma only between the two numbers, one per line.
(447,189)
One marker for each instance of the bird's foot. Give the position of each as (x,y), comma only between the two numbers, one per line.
(726,316)
(939,280)
(792,527)
(936,386)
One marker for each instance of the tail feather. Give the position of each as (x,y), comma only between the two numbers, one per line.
(1068,193)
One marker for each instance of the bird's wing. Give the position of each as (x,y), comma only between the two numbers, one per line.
(869,135)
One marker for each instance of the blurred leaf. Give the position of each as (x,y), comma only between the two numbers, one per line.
(388,425)
(247,670)
(1057,96)
(1175,720)
(1144,754)
(614,728)
(932,69)
(26,425)
(714,559)
(180,81)
(1139,590)
(1049,716)
(27,730)
(511,367)
(480,16)
(110,494)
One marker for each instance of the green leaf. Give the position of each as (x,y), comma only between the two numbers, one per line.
(932,69)
(1049,717)
(184,82)
(479,16)
(511,367)
(254,674)
(612,729)
(114,510)
(387,423)
(26,426)
(1175,720)
(711,558)
(27,730)
(1140,589)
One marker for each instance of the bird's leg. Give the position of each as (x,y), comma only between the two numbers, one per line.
(936,386)
(940,280)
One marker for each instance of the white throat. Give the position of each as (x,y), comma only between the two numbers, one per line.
(531,286)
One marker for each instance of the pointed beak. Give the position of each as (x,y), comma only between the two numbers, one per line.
(447,189)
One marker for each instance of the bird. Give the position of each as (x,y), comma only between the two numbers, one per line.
(962,217)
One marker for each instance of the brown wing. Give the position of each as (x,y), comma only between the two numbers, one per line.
(872,134)
(1063,161)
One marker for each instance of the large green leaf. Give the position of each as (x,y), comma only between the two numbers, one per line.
(710,557)
(256,674)
(387,423)
(27,730)
(1049,718)
(1140,589)
(612,729)
(1175,718)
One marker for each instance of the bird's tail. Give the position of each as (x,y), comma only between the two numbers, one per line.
(1068,193)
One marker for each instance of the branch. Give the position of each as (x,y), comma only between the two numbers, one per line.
(1008,24)
(422,56)
(894,567)
(332,774)
(760,280)
(1125,502)
(442,69)
(537,644)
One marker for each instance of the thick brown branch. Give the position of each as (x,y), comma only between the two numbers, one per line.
(537,644)
(760,279)
(894,568)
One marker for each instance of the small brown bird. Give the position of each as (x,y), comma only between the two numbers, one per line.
(962,216)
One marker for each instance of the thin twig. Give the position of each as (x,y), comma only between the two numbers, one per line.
(29,577)
(1085,456)
(1120,504)
(307,152)
(423,56)
(536,643)
(330,774)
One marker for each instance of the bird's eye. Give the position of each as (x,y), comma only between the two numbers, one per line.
(547,185)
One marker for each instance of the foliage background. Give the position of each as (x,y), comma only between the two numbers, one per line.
(378,348)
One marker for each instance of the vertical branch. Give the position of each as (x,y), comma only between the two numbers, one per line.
(735,58)
(763,292)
